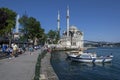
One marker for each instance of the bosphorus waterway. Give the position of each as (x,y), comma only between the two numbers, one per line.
(67,70)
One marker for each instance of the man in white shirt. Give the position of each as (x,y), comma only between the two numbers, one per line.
(15,48)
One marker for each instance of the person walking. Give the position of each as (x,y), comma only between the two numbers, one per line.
(15,48)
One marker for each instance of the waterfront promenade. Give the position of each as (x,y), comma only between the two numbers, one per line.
(19,68)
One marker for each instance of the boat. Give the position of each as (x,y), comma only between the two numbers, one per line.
(88,57)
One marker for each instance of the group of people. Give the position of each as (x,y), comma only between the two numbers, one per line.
(11,50)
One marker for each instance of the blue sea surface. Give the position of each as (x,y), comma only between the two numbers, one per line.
(67,70)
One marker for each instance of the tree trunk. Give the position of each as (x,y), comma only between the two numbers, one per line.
(10,42)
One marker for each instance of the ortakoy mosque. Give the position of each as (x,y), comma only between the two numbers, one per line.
(72,37)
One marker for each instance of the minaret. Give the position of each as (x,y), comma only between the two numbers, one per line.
(17,24)
(68,21)
(16,33)
(58,23)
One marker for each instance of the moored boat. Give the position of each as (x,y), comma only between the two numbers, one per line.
(89,57)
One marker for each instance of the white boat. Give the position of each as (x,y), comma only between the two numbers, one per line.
(89,57)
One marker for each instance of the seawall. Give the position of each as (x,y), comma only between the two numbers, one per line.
(46,70)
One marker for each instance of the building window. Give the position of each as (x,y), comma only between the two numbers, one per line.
(74,43)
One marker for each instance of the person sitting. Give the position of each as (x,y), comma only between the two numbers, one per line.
(9,51)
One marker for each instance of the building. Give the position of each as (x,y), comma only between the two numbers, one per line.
(72,36)
(74,40)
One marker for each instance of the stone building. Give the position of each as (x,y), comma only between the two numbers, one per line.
(74,40)
(72,36)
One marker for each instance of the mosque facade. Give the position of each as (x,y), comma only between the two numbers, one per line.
(72,37)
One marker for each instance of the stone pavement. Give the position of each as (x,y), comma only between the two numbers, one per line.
(19,68)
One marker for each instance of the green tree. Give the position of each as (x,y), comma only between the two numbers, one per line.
(24,23)
(52,35)
(44,39)
(7,21)
(31,28)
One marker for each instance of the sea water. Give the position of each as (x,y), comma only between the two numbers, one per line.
(67,70)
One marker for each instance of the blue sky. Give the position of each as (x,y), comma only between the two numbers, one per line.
(98,19)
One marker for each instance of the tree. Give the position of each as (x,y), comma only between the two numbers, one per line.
(24,23)
(31,28)
(35,31)
(7,21)
(52,35)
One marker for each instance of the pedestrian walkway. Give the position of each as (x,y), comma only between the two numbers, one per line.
(19,68)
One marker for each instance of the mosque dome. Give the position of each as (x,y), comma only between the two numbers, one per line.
(73,28)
